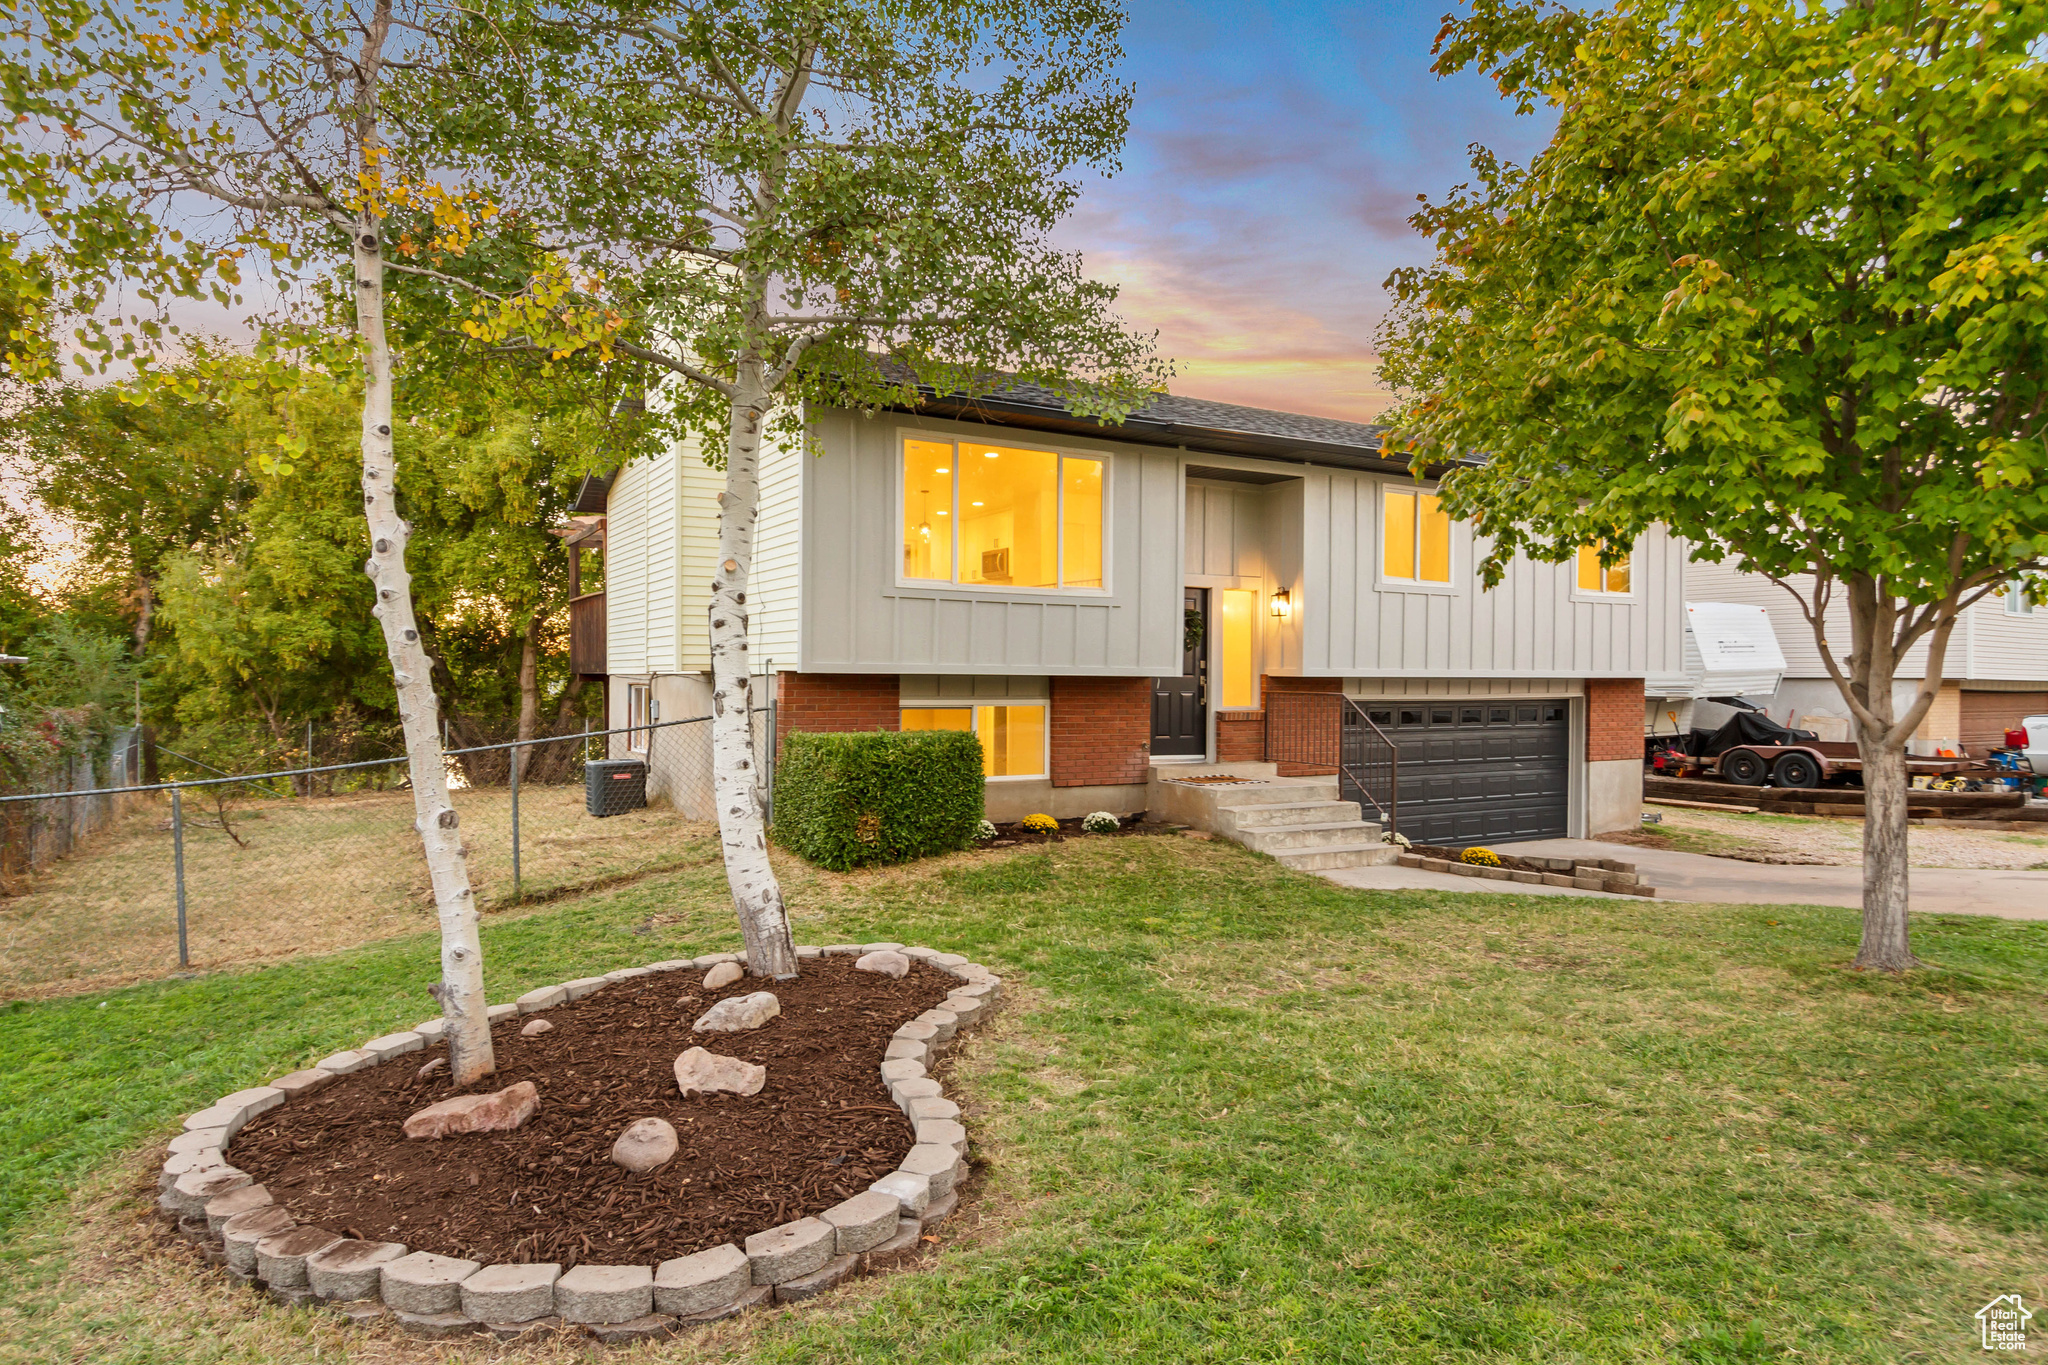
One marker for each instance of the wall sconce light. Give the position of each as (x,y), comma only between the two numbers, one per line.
(1282,606)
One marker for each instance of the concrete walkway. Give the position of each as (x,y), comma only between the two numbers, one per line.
(1697,877)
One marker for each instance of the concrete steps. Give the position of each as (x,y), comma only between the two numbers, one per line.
(1297,821)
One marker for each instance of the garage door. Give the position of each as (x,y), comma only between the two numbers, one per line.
(1986,716)
(1480,772)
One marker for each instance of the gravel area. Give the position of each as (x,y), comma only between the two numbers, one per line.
(1796,839)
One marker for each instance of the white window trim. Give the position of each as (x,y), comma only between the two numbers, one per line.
(2018,601)
(989,592)
(1261,613)
(1579,594)
(951,704)
(1380,581)
(636,725)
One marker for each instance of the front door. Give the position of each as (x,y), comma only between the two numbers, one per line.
(1180,706)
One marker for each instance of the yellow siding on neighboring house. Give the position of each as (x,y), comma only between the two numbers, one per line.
(697,519)
(640,568)
(1943,723)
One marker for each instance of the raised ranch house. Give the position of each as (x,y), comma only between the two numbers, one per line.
(1204,585)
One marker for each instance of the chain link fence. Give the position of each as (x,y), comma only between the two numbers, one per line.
(212,871)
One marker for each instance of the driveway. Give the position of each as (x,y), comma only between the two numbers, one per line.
(1697,877)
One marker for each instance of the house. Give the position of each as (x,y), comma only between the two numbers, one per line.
(1205,584)
(1995,671)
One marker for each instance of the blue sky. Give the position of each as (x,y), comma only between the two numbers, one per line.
(1275,155)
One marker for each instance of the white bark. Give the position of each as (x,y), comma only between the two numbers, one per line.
(461,991)
(735,769)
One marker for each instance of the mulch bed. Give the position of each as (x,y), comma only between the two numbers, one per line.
(1453,855)
(821,1130)
(1009,836)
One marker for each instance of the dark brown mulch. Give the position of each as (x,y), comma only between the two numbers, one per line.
(1009,836)
(1452,855)
(821,1130)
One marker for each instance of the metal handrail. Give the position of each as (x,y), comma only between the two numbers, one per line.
(1393,766)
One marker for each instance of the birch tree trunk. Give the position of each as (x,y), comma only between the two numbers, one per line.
(461,990)
(735,770)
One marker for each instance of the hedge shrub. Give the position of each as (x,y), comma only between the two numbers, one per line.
(850,800)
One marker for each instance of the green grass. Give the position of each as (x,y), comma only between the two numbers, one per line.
(1234,1113)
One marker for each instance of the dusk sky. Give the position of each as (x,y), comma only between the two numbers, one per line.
(1274,158)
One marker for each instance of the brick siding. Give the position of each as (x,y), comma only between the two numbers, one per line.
(832,702)
(1101,731)
(1240,736)
(1614,719)
(1270,685)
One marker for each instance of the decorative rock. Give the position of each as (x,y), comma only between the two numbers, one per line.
(511,1293)
(303,1082)
(653,1327)
(439,1064)
(424,1283)
(945,1133)
(350,1270)
(342,1063)
(723,975)
(884,963)
(542,998)
(534,1028)
(863,1222)
(433,1030)
(191,1192)
(818,1281)
(498,1014)
(241,1233)
(912,1193)
(904,1049)
(605,1293)
(584,985)
(393,1045)
(900,1069)
(648,1144)
(791,1250)
(699,1283)
(942,1166)
(945,1022)
(223,1207)
(739,1013)
(200,1140)
(493,1113)
(705,1073)
(752,1297)
(920,1110)
(941,1209)
(436,1326)
(281,1258)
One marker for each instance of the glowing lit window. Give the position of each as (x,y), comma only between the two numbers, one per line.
(1594,577)
(1001,516)
(1234,643)
(1416,538)
(1012,737)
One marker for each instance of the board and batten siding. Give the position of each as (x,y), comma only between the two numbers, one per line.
(1987,645)
(858,618)
(1534,624)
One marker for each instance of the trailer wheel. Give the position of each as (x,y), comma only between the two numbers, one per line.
(1796,770)
(1743,768)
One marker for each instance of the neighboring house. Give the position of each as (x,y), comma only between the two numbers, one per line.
(1995,671)
(1094,601)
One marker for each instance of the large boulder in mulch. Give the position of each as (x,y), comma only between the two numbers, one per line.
(646,1144)
(497,1112)
(886,963)
(739,1014)
(704,1073)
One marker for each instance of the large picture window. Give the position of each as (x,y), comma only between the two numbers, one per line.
(1012,737)
(984,515)
(1416,538)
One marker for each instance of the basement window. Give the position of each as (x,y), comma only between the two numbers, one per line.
(1013,738)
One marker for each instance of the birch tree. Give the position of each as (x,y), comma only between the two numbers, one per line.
(156,146)
(793,202)
(1776,283)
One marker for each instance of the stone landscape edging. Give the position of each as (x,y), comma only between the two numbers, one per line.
(1582,874)
(254,1238)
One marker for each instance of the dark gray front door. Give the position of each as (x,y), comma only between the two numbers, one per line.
(1180,706)
(1480,772)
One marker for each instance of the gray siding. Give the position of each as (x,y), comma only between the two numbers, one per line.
(858,618)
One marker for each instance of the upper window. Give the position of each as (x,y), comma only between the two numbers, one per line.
(2018,601)
(999,516)
(1417,538)
(1596,577)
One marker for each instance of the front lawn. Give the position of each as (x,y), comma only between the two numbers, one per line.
(1230,1113)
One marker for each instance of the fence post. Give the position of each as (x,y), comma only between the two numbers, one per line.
(515,823)
(178,868)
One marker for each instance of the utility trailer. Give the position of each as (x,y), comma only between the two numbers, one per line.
(1813,763)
